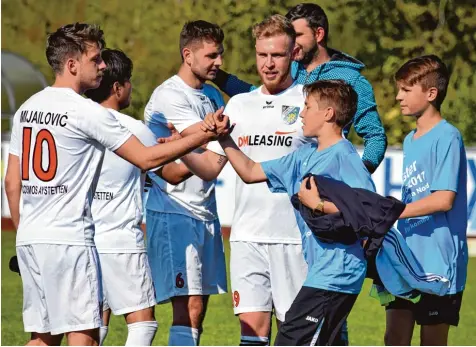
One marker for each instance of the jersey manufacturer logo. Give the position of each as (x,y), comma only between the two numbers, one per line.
(290,114)
(269,104)
(433,313)
(312,319)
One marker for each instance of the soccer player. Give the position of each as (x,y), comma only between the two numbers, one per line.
(435,219)
(117,212)
(57,145)
(267,267)
(335,271)
(316,61)
(185,244)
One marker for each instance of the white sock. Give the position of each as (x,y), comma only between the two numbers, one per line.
(102,334)
(180,335)
(254,341)
(141,333)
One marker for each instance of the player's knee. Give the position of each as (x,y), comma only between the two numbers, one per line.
(196,309)
(255,323)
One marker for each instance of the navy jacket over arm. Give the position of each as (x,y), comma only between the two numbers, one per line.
(363,214)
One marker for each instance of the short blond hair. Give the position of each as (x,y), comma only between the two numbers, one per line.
(273,26)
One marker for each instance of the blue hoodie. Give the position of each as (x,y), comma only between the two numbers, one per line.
(366,120)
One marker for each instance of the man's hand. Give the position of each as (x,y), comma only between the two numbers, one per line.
(174,135)
(217,123)
(309,196)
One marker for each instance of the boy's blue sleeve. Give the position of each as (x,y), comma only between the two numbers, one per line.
(354,174)
(448,163)
(281,173)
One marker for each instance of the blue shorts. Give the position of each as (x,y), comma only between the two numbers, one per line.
(186,255)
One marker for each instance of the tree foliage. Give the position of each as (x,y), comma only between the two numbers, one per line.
(381,33)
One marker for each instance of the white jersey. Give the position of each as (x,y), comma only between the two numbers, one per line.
(117,206)
(176,102)
(267,127)
(60,138)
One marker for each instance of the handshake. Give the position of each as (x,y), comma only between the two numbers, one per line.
(218,124)
(215,125)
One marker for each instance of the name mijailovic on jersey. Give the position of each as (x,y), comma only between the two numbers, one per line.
(39,117)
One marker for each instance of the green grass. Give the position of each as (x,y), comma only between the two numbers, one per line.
(366,322)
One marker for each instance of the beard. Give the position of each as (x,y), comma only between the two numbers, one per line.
(310,55)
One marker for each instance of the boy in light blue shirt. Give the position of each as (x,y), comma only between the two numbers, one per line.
(434,188)
(336,271)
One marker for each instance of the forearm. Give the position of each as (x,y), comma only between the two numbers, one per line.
(162,154)
(174,173)
(230,84)
(205,164)
(13,197)
(440,201)
(247,169)
(368,126)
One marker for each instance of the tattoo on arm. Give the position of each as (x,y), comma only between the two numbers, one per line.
(221,160)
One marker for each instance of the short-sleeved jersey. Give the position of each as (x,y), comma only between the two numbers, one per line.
(60,138)
(176,102)
(331,266)
(434,162)
(117,206)
(267,127)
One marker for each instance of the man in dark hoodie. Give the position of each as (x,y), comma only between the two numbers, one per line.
(316,61)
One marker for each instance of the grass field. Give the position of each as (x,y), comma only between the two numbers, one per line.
(366,322)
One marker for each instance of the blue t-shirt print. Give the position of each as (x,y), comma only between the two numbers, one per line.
(434,162)
(332,266)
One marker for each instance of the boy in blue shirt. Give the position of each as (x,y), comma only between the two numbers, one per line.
(434,189)
(336,271)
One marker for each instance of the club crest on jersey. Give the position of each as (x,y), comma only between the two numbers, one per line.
(290,114)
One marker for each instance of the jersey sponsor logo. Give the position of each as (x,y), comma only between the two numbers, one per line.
(268,104)
(104,196)
(48,190)
(236,298)
(312,319)
(277,140)
(290,114)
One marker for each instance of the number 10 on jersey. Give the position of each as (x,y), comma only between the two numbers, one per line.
(43,174)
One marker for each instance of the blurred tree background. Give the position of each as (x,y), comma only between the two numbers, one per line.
(383,34)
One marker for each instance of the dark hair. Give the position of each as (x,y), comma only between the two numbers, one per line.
(429,71)
(118,69)
(71,40)
(313,14)
(274,25)
(198,31)
(337,94)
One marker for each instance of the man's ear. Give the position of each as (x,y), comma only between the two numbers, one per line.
(187,55)
(117,89)
(72,66)
(319,35)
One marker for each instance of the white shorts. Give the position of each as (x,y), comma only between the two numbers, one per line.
(186,256)
(61,288)
(127,282)
(266,275)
